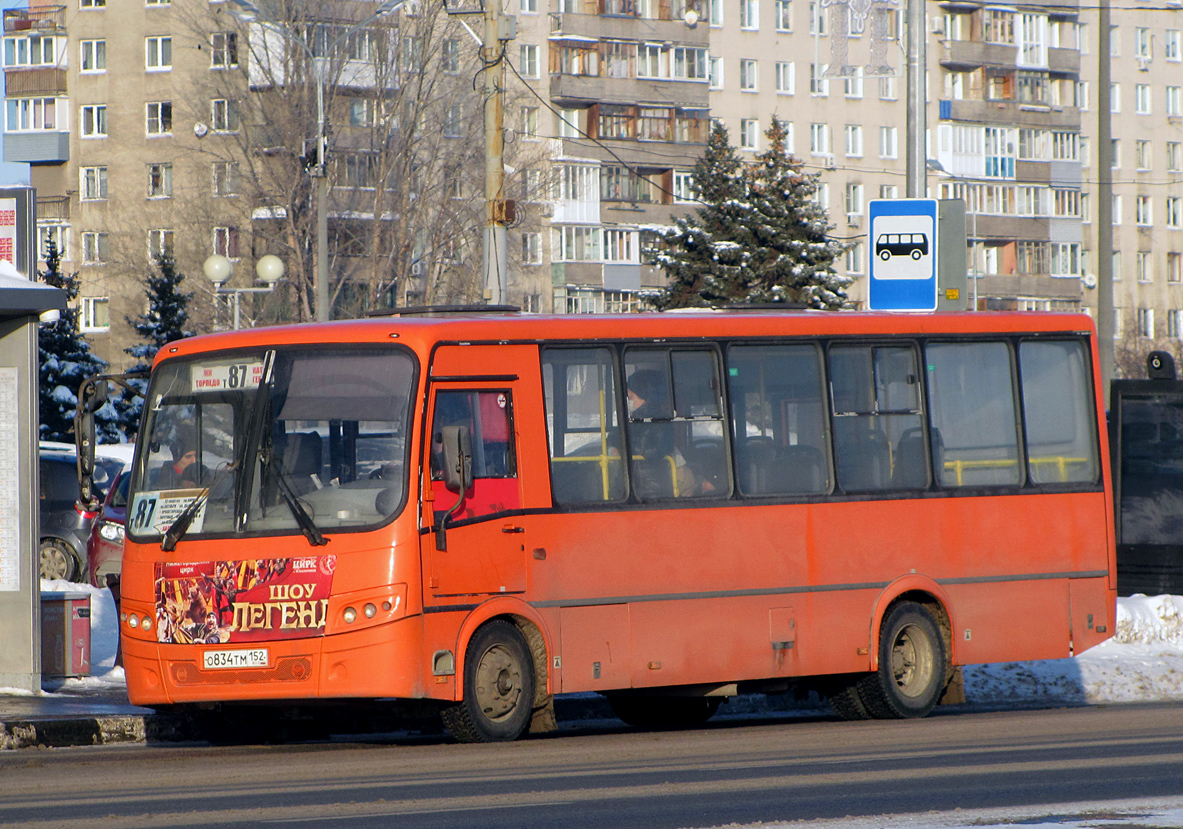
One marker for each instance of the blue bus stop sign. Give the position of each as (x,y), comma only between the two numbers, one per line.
(903,252)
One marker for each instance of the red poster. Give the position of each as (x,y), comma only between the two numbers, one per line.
(228,602)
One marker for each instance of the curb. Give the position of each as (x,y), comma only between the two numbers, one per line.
(108,730)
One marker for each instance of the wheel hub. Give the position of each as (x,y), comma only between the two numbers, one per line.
(499,682)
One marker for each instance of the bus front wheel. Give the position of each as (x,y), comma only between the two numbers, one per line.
(498,687)
(912,665)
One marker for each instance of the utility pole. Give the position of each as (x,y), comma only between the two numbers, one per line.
(917,153)
(1105,315)
(495,254)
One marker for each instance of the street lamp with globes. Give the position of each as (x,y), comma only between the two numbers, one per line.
(218,269)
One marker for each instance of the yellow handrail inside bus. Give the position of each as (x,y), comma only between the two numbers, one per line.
(1060,461)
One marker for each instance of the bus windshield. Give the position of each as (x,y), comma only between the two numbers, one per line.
(271,442)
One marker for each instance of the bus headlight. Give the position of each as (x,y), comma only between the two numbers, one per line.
(369,610)
(133,621)
(350,615)
(146,623)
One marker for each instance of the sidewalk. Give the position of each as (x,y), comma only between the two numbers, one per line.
(70,716)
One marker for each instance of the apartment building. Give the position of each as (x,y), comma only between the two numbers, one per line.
(607,107)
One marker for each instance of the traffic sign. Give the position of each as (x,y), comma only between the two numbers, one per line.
(903,254)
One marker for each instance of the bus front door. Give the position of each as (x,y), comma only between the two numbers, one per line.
(483,550)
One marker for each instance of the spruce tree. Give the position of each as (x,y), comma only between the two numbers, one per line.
(164,322)
(758,237)
(65,362)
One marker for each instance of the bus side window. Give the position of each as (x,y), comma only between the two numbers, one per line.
(1058,412)
(583,432)
(972,405)
(778,422)
(878,429)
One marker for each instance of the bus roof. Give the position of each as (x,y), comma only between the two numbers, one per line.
(421,331)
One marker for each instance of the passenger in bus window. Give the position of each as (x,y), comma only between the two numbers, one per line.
(661,469)
(184,472)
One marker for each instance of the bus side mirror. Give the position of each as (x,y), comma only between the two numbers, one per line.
(457,458)
(92,396)
(457,475)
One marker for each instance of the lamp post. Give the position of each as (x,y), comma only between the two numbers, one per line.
(218,269)
(252,14)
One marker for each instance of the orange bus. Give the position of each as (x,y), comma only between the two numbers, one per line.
(487,509)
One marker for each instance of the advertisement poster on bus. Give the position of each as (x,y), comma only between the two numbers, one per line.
(226,602)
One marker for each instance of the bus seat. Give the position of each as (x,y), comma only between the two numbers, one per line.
(910,469)
(653,478)
(300,453)
(864,455)
(756,455)
(798,469)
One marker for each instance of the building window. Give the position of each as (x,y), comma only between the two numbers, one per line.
(92,4)
(160,244)
(1142,266)
(817,19)
(1175,324)
(95,248)
(528,6)
(1146,323)
(1116,210)
(784,16)
(528,60)
(855,258)
(749,134)
(1142,43)
(715,12)
(94,183)
(94,121)
(1115,153)
(450,56)
(529,117)
(819,139)
(690,63)
(157,2)
(854,201)
(786,77)
(226,242)
(1143,215)
(1170,45)
(225,175)
(1066,204)
(715,73)
(1065,146)
(1175,267)
(683,186)
(531,248)
(158,54)
(854,141)
(1174,212)
(452,121)
(1174,100)
(749,14)
(787,126)
(620,245)
(1115,97)
(160,118)
(853,85)
(94,56)
(818,85)
(1142,98)
(889,191)
(888,89)
(160,181)
(32,114)
(1142,154)
(1065,259)
(576,244)
(94,314)
(59,234)
(224,115)
(223,50)
(747,75)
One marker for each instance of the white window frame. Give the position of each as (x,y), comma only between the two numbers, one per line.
(786,77)
(160,180)
(889,142)
(156,113)
(158,53)
(749,15)
(784,15)
(854,140)
(89,315)
(97,115)
(161,241)
(748,75)
(223,50)
(92,183)
(95,247)
(528,61)
(94,53)
(749,134)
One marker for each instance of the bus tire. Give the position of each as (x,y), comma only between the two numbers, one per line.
(846,700)
(912,665)
(663,712)
(498,687)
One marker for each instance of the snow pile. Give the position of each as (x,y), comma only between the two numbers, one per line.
(1142,662)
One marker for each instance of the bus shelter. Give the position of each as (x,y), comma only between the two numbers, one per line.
(22,303)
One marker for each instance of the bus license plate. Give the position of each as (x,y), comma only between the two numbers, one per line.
(253,658)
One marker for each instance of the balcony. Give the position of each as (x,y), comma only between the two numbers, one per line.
(593,26)
(1029,286)
(633,152)
(37,147)
(585,89)
(970,54)
(1063,61)
(1010,113)
(31,83)
(40,19)
(53,208)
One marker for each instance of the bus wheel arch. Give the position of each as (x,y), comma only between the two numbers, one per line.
(913,666)
(497,678)
(924,592)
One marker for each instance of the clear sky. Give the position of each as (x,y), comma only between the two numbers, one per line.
(13,173)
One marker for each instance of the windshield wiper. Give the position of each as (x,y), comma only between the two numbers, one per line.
(307,525)
(250,443)
(184,520)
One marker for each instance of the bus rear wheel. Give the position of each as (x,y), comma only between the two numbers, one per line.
(912,665)
(663,712)
(498,687)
